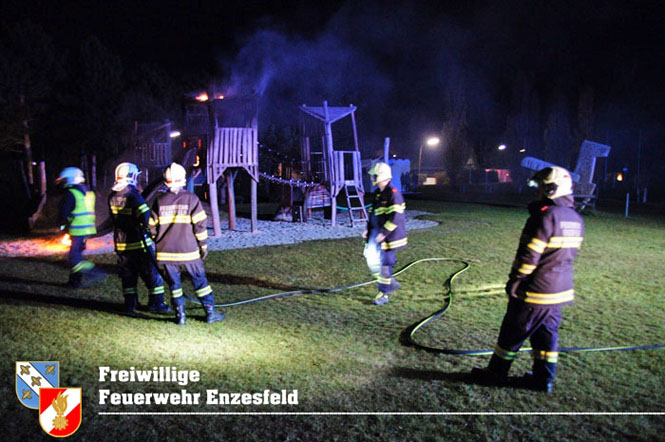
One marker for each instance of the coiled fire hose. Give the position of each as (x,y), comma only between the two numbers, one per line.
(409,332)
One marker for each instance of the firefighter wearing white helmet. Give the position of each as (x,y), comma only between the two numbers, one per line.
(540,282)
(76,215)
(386,231)
(553,182)
(181,230)
(133,242)
(126,174)
(175,176)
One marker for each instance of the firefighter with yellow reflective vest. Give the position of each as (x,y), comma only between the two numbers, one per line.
(540,282)
(133,242)
(76,215)
(386,231)
(180,226)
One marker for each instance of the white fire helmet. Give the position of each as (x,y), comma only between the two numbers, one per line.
(554,181)
(175,176)
(380,172)
(70,176)
(126,174)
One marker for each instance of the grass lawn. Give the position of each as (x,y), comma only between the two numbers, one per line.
(343,354)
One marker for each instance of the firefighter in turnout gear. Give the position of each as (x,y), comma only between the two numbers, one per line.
(386,231)
(76,216)
(540,282)
(180,226)
(133,241)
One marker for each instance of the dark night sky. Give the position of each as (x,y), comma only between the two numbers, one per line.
(392,59)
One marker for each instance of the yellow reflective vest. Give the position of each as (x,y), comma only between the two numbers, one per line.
(81,220)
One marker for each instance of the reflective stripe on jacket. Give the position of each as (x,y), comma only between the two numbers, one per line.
(387,216)
(131,217)
(180,225)
(548,246)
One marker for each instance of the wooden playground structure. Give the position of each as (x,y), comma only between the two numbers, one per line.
(152,150)
(336,169)
(225,131)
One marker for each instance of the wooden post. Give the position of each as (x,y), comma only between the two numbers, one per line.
(93,172)
(255,223)
(84,167)
(214,208)
(355,131)
(386,149)
(231,198)
(330,160)
(42,177)
(27,146)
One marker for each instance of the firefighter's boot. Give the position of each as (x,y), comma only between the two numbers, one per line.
(156,304)
(212,315)
(92,276)
(542,376)
(496,372)
(179,307)
(381,298)
(74,281)
(131,302)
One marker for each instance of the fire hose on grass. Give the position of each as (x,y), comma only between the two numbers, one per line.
(409,332)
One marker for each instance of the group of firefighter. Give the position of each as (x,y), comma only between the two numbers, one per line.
(155,242)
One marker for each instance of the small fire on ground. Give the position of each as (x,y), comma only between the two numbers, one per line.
(53,245)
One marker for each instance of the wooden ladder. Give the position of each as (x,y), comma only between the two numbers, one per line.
(355,202)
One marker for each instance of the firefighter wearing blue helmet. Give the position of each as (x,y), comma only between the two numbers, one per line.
(76,216)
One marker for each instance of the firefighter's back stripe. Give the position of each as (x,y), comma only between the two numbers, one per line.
(574,242)
(175,219)
(550,298)
(188,256)
(394,244)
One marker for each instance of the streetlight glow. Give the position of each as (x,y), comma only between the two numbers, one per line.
(431,141)
(502,147)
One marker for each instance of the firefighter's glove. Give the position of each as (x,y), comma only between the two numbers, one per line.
(204,252)
(380,237)
(511,287)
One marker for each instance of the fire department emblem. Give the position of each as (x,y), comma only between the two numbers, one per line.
(60,411)
(31,376)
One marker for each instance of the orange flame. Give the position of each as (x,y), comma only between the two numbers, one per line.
(66,240)
(202,97)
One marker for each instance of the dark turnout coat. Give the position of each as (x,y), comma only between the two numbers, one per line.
(542,271)
(386,216)
(180,226)
(131,217)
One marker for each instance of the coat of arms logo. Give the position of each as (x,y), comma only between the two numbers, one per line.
(31,377)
